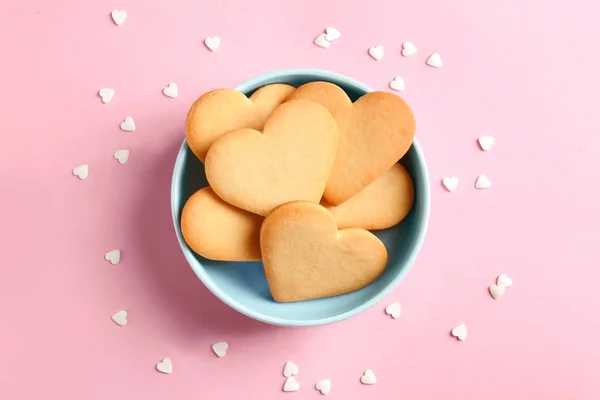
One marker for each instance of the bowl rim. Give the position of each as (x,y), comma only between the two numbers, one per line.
(423,220)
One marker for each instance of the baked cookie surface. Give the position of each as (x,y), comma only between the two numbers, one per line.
(305,256)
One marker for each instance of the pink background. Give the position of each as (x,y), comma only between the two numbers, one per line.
(525,72)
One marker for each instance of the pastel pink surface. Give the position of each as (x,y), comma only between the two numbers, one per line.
(523,72)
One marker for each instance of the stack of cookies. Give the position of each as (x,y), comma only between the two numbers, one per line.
(297,179)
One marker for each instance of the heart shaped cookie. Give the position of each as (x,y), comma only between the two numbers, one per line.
(382,204)
(306,257)
(290,160)
(219,231)
(375,132)
(224,110)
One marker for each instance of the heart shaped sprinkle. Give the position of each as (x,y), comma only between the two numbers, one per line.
(434,60)
(81,171)
(376,52)
(486,142)
(220,349)
(321,41)
(368,378)
(121,156)
(119,16)
(171,91)
(165,366)
(120,318)
(460,332)
(394,310)
(450,182)
(291,385)
(128,125)
(397,84)
(504,281)
(324,386)
(290,369)
(114,256)
(497,291)
(483,182)
(213,43)
(332,34)
(106,94)
(408,49)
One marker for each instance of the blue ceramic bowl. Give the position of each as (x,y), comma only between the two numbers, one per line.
(243,285)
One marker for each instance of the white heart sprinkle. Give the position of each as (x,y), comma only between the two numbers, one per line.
(408,49)
(332,34)
(114,256)
(106,94)
(435,60)
(504,281)
(497,291)
(290,369)
(171,91)
(220,349)
(324,386)
(368,378)
(81,171)
(119,16)
(376,52)
(460,332)
(486,142)
(128,125)
(483,182)
(120,318)
(450,182)
(394,310)
(122,156)
(397,83)
(321,41)
(213,43)
(165,366)
(291,385)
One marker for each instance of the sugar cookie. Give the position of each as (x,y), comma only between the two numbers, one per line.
(306,257)
(224,110)
(375,132)
(219,231)
(290,160)
(381,205)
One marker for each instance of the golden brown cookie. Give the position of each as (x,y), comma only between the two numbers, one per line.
(306,257)
(224,110)
(219,231)
(375,132)
(381,205)
(290,160)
